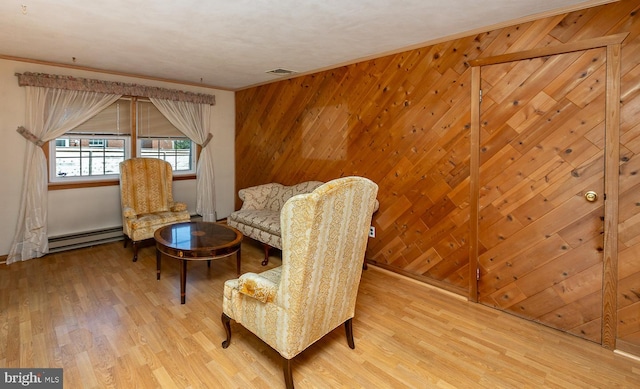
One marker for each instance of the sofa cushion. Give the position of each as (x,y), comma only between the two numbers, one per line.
(263,219)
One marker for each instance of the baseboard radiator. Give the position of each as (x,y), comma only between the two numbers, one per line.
(91,238)
(85,239)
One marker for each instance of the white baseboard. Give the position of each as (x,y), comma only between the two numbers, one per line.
(84,239)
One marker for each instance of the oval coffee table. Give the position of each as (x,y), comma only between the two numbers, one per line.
(196,241)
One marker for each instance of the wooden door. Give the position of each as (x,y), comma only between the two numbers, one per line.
(542,150)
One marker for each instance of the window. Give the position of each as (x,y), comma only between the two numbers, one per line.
(94,150)
(87,158)
(158,138)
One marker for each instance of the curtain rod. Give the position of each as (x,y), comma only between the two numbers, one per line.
(110,87)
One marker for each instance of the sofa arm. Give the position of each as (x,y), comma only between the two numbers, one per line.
(256,197)
(258,287)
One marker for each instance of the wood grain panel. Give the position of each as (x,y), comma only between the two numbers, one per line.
(556,283)
(403,120)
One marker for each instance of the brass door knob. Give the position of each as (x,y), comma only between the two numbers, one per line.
(591,196)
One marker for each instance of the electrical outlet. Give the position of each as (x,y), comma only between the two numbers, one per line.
(372,232)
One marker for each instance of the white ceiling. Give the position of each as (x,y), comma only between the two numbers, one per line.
(232,44)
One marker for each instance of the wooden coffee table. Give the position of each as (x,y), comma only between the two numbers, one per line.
(196,241)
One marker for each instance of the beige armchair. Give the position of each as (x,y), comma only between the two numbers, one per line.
(147,200)
(324,238)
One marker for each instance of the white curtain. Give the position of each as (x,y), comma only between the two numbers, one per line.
(50,114)
(194,120)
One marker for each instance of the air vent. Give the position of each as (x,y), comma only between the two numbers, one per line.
(281,72)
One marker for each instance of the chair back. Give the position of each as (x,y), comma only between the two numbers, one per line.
(146,185)
(281,193)
(324,238)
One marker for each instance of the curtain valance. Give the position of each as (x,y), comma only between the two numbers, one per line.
(90,85)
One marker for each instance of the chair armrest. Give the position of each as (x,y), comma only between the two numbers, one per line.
(129,213)
(178,207)
(260,288)
(256,197)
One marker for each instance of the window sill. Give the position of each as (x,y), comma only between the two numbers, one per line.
(83,184)
(95,184)
(184,177)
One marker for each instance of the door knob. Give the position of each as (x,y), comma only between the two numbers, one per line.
(591,196)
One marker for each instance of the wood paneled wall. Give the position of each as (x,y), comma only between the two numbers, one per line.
(403,121)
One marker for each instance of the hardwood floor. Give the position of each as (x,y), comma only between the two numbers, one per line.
(109,324)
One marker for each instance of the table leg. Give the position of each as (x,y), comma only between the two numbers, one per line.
(158,256)
(238,262)
(183,280)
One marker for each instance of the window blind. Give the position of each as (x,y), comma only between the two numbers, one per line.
(153,124)
(113,120)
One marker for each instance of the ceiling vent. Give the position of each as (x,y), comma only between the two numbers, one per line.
(281,72)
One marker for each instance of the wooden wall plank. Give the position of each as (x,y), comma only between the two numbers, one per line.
(612,172)
(474,189)
(403,120)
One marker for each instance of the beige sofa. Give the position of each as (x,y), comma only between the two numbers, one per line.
(259,216)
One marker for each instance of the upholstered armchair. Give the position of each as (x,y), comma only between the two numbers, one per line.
(324,238)
(147,200)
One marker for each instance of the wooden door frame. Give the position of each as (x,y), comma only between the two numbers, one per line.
(612,43)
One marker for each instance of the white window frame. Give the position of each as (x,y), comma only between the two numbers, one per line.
(129,151)
(176,172)
(54,176)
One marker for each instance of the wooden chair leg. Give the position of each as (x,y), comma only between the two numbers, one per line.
(226,323)
(288,374)
(126,240)
(266,254)
(348,328)
(135,251)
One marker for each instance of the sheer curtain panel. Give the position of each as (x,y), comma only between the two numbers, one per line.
(194,121)
(50,113)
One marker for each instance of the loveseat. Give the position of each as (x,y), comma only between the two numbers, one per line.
(259,216)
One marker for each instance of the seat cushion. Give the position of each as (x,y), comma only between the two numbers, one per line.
(263,219)
(145,225)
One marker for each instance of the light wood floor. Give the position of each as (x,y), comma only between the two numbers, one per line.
(109,324)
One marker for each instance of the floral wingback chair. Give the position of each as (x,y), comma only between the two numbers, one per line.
(324,238)
(147,200)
